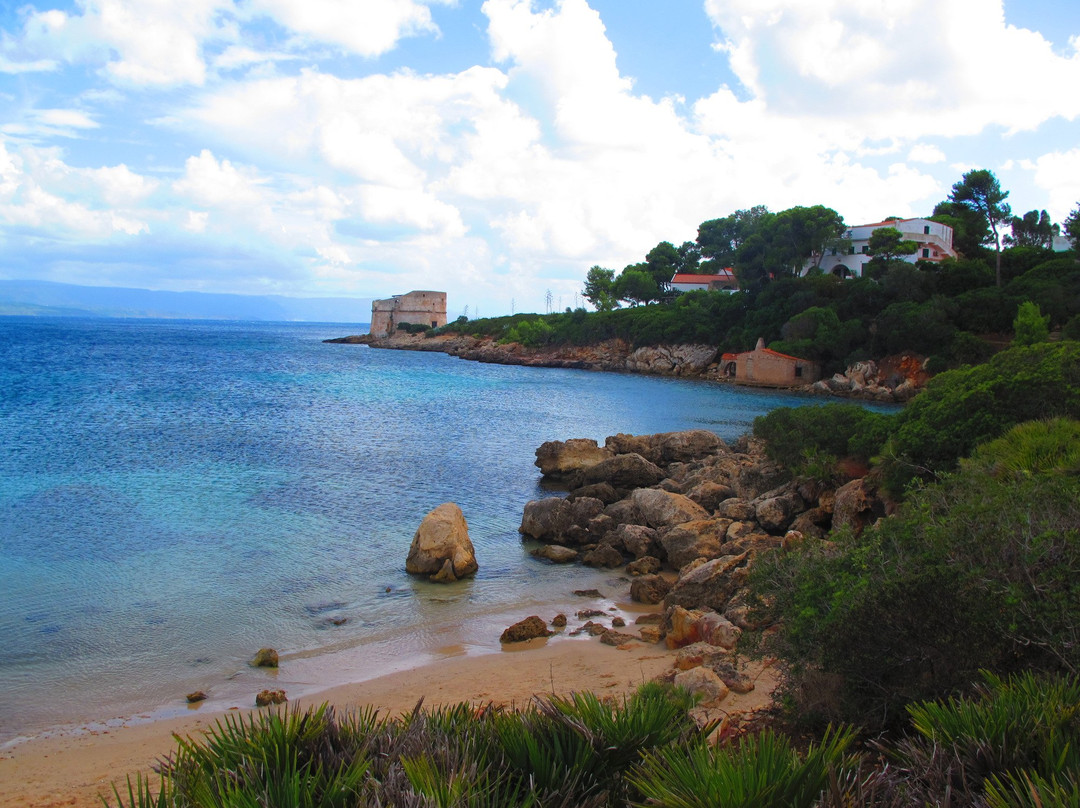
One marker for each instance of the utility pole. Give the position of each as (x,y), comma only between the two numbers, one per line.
(548,299)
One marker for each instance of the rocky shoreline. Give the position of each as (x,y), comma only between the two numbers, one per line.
(684,515)
(891,380)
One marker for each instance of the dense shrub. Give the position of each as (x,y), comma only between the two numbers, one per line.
(980,570)
(792,434)
(961,408)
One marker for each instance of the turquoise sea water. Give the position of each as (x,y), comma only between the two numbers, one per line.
(174,495)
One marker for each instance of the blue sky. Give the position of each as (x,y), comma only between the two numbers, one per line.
(498,149)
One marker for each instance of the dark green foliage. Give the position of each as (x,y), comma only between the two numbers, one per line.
(962,408)
(1030,326)
(968,349)
(954,277)
(759,772)
(561,752)
(840,430)
(925,328)
(1072,329)
(413,328)
(980,570)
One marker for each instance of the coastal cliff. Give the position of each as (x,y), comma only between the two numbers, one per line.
(892,379)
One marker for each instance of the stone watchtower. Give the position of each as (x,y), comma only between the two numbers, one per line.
(415,308)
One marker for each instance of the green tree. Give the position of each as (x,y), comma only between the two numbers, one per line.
(1072,228)
(1030,325)
(600,288)
(980,191)
(719,239)
(888,243)
(1033,229)
(636,286)
(969,228)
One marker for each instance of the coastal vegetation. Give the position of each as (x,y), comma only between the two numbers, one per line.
(951,311)
(1012,743)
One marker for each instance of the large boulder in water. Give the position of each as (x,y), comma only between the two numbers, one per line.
(623,471)
(557,458)
(668,447)
(442,537)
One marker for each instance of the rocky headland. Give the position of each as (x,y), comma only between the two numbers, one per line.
(893,379)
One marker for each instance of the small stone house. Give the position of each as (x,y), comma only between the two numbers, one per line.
(415,308)
(764,367)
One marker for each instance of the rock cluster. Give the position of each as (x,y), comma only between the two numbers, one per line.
(896,379)
(686,515)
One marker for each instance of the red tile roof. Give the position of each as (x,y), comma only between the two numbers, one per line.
(687,277)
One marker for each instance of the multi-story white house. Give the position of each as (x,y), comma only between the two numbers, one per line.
(934,240)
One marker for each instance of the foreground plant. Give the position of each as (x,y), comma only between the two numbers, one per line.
(759,771)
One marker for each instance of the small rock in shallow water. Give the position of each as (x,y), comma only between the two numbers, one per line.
(588,593)
(265,658)
(585,614)
(559,621)
(267,697)
(617,622)
(198,695)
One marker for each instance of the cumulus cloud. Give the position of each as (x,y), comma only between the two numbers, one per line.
(903,69)
(39,191)
(1058,173)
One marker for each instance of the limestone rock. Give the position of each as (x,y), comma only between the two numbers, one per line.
(195,697)
(753,481)
(736,508)
(546,519)
(442,536)
(646,565)
(711,585)
(617,638)
(603,556)
(701,538)
(695,654)
(709,494)
(561,458)
(444,575)
(668,447)
(775,513)
(624,512)
(705,682)
(623,471)
(265,658)
(649,589)
(604,492)
(854,506)
(527,629)
(638,540)
(556,553)
(559,621)
(267,697)
(663,509)
(651,634)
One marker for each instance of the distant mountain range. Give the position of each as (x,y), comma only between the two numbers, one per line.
(47,299)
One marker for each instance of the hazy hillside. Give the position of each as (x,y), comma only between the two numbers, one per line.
(41,298)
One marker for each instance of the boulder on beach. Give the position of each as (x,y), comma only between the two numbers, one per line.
(527,629)
(443,536)
(557,458)
(197,696)
(265,658)
(267,697)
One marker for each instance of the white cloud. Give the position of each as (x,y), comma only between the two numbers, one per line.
(369,28)
(1058,173)
(39,191)
(903,69)
(925,153)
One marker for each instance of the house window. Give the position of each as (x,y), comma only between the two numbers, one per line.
(926,253)
(926,229)
(851,250)
(434,323)
(866,249)
(798,371)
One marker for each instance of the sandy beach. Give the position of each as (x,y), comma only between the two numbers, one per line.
(73,767)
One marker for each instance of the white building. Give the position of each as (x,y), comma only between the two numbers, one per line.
(934,240)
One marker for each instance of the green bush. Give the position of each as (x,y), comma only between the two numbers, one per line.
(961,408)
(980,570)
(792,434)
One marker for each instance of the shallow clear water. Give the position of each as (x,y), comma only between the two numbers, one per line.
(174,495)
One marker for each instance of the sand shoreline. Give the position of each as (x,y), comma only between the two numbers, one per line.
(73,767)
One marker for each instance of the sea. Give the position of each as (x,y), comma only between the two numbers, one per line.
(175,495)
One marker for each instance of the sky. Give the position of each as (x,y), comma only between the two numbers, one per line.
(496,150)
